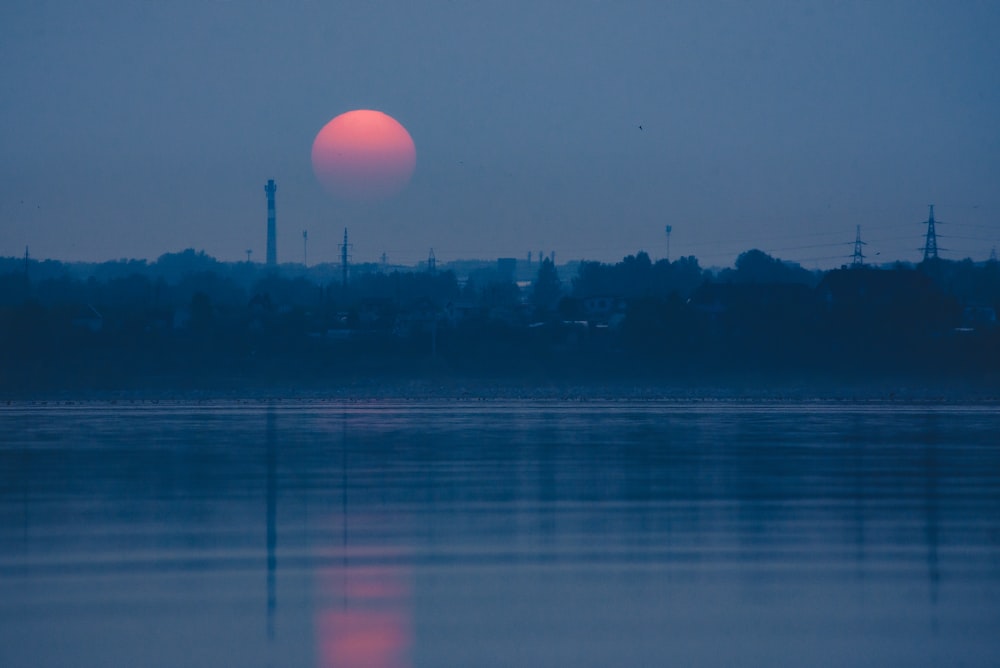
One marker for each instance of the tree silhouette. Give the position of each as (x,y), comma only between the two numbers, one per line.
(756,266)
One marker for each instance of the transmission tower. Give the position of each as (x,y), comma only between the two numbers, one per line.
(930,244)
(858,259)
(431,262)
(669,229)
(305,249)
(344,257)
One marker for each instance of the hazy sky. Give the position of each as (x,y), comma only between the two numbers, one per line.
(130,129)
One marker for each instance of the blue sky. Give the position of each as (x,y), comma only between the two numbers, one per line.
(133,129)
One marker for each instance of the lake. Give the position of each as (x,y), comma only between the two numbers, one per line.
(499,533)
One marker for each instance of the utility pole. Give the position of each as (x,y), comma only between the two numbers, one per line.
(930,243)
(344,257)
(858,259)
(26,261)
(669,229)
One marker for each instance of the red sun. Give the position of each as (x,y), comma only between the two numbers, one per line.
(363,155)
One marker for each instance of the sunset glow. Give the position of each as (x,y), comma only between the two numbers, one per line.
(363,155)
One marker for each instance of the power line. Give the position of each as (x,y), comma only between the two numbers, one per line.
(817,259)
(828,245)
(958,236)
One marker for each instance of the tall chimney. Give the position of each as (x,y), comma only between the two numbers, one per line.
(272,243)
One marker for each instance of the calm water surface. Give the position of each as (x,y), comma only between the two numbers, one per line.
(500,533)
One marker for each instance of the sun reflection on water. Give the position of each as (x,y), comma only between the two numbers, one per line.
(364,615)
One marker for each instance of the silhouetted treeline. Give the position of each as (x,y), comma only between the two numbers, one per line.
(188,319)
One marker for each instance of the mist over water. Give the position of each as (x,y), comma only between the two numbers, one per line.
(498,533)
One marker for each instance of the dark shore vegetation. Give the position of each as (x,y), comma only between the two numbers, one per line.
(188,322)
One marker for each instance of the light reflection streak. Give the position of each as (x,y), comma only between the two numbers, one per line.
(363,617)
(272,509)
(366,621)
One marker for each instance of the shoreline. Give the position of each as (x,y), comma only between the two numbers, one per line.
(903,390)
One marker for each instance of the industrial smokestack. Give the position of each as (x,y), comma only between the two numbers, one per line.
(272,242)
